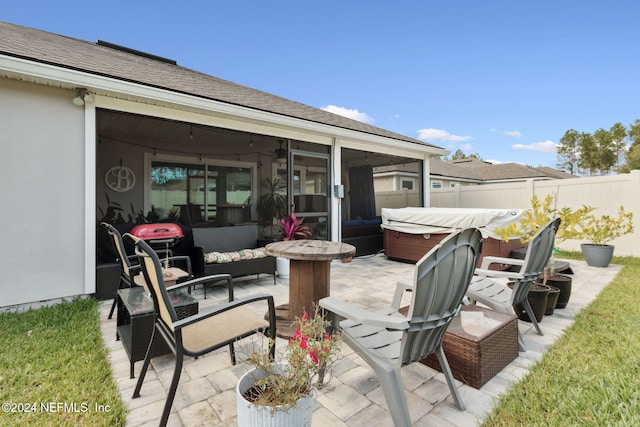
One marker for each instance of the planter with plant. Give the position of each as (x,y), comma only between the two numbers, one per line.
(542,212)
(598,231)
(271,205)
(291,228)
(281,393)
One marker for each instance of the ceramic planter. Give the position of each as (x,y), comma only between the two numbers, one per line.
(282,265)
(537,298)
(597,255)
(252,415)
(561,282)
(552,300)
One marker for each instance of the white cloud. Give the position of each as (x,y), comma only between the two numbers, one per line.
(431,135)
(513,133)
(349,113)
(466,147)
(543,147)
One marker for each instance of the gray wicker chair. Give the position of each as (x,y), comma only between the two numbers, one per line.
(500,297)
(200,333)
(388,340)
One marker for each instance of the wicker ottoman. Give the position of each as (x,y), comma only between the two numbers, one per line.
(474,360)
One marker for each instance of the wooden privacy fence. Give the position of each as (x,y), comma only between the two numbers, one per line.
(606,193)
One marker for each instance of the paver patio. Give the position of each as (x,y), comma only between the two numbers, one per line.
(353,397)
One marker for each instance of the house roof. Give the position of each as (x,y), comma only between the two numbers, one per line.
(128,65)
(479,170)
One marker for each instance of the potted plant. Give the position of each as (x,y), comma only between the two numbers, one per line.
(271,204)
(281,394)
(598,231)
(291,228)
(542,212)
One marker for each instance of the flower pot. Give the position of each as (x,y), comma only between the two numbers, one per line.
(561,282)
(252,415)
(537,298)
(282,265)
(552,300)
(597,255)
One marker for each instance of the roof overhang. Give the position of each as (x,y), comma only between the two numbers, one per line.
(55,76)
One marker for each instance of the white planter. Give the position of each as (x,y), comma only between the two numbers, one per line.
(282,265)
(252,415)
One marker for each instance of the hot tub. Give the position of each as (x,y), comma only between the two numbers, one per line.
(409,233)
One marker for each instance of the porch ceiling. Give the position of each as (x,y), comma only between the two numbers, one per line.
(182,138)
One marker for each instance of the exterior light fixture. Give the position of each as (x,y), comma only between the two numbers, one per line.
(82,96)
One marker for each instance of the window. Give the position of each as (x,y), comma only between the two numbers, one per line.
(436,184)
(407,183)
(200,188)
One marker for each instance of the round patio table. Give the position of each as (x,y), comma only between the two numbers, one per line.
(309,276)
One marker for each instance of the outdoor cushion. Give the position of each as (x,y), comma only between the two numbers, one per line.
(225,257)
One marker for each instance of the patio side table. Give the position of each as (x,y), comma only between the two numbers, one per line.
(136,318)
(309,281)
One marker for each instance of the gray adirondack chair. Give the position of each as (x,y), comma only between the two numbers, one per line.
(388,340)
(500,297)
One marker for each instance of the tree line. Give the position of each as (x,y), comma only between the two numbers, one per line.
(602,152)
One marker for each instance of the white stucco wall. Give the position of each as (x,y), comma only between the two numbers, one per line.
(42,187)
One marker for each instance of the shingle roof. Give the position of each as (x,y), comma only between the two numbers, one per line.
(93,58)
(485,171)
(555,173)
(438,167)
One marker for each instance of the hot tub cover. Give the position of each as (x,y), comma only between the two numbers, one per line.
(448,220)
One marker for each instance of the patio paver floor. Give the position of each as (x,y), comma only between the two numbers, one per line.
(353,397)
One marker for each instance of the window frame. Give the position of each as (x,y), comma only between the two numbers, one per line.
(149,158)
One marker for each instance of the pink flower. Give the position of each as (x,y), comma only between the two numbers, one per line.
(304,343)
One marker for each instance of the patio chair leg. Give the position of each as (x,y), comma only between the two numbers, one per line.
(113,307)
(446,369)
(532,317)
(145,365)
(232,353)
(391,383)
(172,389)
(115,301)
(521,346)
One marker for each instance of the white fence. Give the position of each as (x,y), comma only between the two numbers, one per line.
(607,193)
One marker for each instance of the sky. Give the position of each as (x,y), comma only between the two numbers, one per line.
(501,79)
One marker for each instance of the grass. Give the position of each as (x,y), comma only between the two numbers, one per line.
(54,368)
(591,376)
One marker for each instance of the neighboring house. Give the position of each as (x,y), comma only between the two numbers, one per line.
(478,172)
(87,126)
(459,172)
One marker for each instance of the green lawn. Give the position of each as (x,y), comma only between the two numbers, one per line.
(54,369)
(591,376)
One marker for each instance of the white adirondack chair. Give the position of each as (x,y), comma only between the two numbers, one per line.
(388,340)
